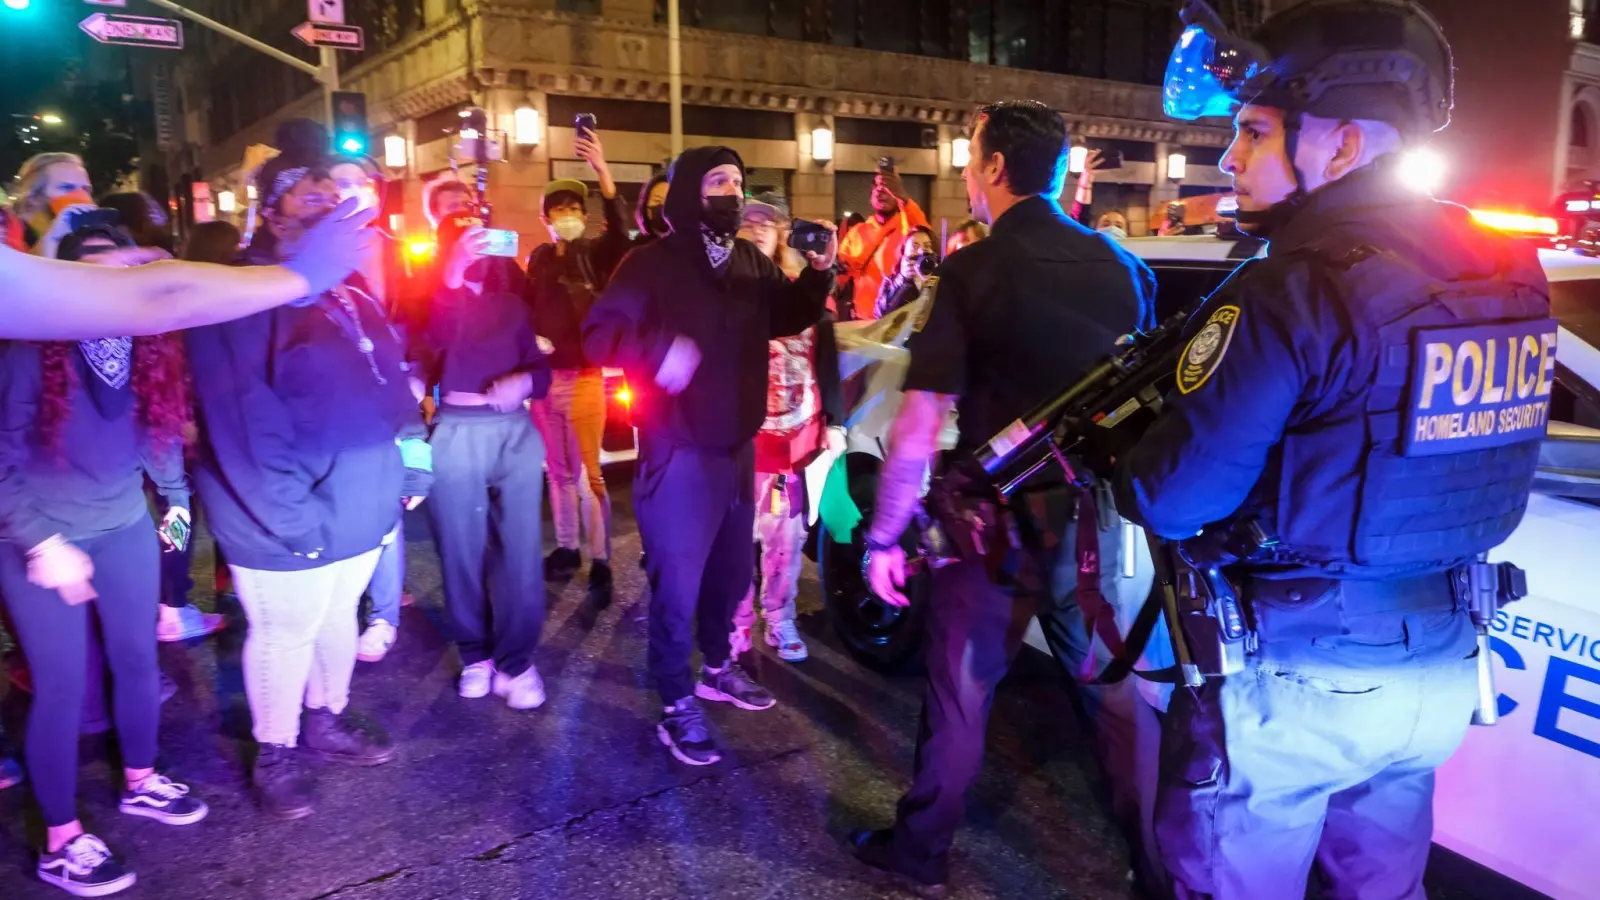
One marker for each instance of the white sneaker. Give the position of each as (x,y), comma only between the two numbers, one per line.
(525,691)
(376,641)
(475,680)
(786,637)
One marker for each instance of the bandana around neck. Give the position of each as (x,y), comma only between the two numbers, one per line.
(110,358)
(718,247)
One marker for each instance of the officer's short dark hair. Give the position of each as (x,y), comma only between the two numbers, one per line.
(1033,138)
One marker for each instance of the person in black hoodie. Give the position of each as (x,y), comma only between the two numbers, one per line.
(563,278)
(689,317)
(302,410)
(481,352)
(81,425)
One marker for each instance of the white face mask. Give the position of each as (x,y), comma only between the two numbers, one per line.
(568,228)
(1114,231)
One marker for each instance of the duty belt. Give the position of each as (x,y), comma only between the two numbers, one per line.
(1324,607)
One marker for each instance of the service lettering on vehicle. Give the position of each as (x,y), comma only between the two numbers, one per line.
(1480,386)
(1571,678)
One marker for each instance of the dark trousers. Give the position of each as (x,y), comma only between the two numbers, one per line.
(55,637)
(488,478)
(976,622)
(696,513)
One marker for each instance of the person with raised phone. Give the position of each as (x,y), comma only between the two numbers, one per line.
(480,351)
(564,277)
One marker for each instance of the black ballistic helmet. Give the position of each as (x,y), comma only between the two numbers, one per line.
(1384,60)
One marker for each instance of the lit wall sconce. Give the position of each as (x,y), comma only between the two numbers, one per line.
(1076,158)
(960,152)
(1177,166)
(822,144)
(225,202)
(527,126)
(394,151)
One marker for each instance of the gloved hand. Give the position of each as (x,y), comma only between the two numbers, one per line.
(417,455)
(57,564)
(334,247)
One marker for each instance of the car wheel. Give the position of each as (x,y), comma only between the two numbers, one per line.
(880,636)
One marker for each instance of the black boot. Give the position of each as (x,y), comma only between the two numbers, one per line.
(337,739)
(562,564)
(599,594)
(872,848)
(282,783)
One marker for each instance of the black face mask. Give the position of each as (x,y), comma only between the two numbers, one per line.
(655,220)
(723,214)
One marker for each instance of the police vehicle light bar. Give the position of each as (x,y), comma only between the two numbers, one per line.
(1510,221)
(1579,205)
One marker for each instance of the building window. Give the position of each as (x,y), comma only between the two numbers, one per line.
(1578,135)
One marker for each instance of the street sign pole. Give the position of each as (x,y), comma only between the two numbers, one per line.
(326,74)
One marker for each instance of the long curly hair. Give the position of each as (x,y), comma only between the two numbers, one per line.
(160,384)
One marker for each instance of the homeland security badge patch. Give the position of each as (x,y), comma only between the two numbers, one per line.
(1206,348)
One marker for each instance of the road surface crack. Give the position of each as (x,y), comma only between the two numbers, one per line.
(497,852)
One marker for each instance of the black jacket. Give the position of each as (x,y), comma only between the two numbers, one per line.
(561,288)
(667,289)
(299,453)
(92,483)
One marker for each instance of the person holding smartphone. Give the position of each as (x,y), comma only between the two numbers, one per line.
(480,352)
(81,426)
(564,277)
(869,250)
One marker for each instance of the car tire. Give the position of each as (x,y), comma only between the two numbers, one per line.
(882,637)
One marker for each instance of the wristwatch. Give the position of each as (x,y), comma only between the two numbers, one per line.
(873,546)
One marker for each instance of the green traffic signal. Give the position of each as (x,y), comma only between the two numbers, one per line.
(350,122)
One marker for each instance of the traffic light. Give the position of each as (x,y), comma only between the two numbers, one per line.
(350,123)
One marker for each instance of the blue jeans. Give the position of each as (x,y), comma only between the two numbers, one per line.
(389,579)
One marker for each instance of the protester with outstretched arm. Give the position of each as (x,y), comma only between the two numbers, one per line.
(52,300)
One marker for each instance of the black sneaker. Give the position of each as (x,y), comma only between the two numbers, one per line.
(599,598)
(732,685)
(871,848)
(164,800)
(562,564)
(684,731)
(337,738)
(282,782)
(85,867)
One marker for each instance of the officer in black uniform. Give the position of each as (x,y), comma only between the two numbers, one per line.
(1013,320)
(1357,419)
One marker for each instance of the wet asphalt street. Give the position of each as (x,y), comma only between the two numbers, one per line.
(578,800)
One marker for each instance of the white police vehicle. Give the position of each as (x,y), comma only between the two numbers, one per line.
(1518,797)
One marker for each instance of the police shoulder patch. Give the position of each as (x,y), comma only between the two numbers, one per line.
(1205,350)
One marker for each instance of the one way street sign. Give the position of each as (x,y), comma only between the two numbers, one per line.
(340,37)
(134,31)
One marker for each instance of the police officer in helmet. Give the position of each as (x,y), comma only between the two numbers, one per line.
(1356,421)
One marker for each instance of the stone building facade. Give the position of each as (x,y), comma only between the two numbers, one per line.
(762,95)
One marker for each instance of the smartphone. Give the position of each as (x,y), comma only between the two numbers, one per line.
(586,124)
(885,164)
(806,235)
(93,218)
(177,531)
(1110,159)
(502,242)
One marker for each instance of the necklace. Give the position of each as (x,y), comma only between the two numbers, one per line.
(362,341)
